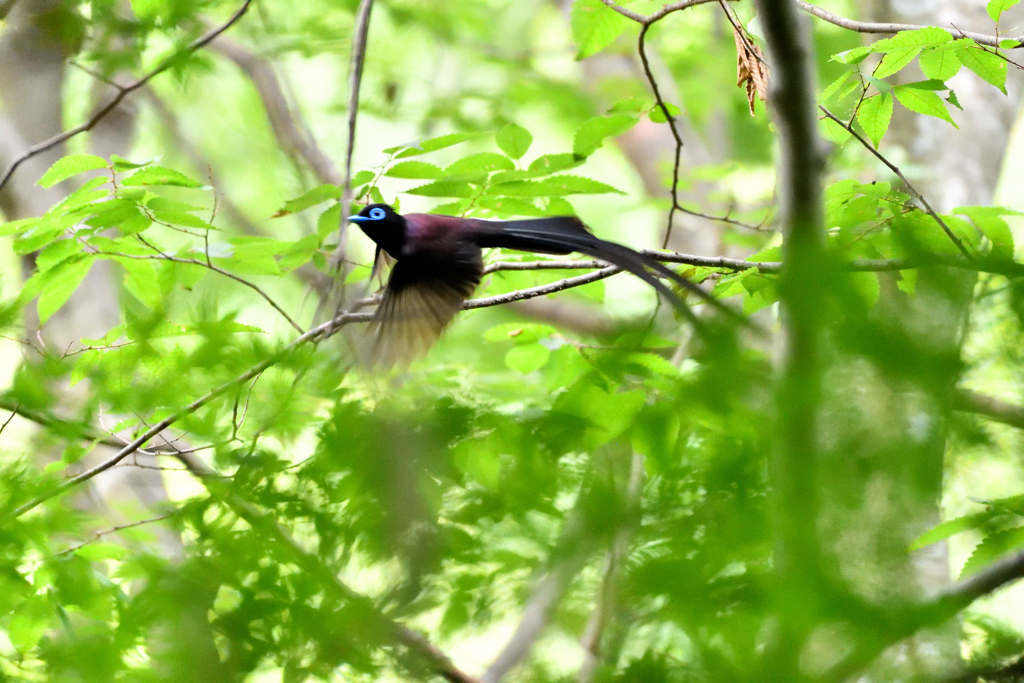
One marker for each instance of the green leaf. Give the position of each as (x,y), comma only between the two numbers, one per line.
(989,220)
(481,162)
(987,65)
(940,64)
(430,145)
(158,175)
(896,60)
(70,166)
(415,170)
(555,186)
(835,132)
(318,195)
(928,36)
(552,163)
(61,283)
(854,56)
(526,358)
(514,140)
(362,178)
(329,221)
(120,164)
(923,102)
(591,135)
(993,547)
(950,528)
(443,188)
(141,281)
(595,26)
(657,114)
(835,85)
(995,8)
(874,116)
(96,552)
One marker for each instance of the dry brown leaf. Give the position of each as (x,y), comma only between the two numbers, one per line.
(751,70)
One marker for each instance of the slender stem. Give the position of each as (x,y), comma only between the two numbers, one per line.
(122,92)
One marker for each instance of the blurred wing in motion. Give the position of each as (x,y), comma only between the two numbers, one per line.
(424,293)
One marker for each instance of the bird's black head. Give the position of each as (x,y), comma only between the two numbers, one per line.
(382,225)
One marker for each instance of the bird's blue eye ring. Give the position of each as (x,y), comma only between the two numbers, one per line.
(377,214)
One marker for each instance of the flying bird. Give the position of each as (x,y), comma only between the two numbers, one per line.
(439,262)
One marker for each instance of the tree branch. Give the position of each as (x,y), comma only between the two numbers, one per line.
(870,27)
(802,288)
(291,131)
(123,91)
(355,83)
(968,401)
(913,190)
(660,14)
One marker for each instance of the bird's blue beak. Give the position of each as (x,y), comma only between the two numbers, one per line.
(359,219)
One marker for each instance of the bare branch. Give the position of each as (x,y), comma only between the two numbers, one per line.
(870,27)
(913,190)
(5,8)
(355,83)
(291,131)
(122,92)
(989,406)
(663,12)
(802,291)
(105,532)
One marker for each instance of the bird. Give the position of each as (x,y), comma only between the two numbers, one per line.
(439,263)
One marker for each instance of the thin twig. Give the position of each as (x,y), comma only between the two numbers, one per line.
(663,12)
(355,83)
(14,412)
(122,92)
(872,27)
(100,534)
(910,187)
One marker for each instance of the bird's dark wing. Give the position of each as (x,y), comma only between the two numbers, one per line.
(564,234)
(424,293)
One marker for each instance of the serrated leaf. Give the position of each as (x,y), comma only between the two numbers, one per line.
(415,170)
(941,63)
(657,114)
(158,175)
(430,145)
(985,64)
(526,358)
(874,116)
(995,8)
(922,37)
(329,221)
(595,26)
(950,528)
(989,220)
(141,281)
(591,135)
(481,162)
(835,132)
(318,195)
(835,85)
(993,547)
(69,166)
(923,102)
(182,218)
(552,163)
(555,186)
(120,164)
(443,188)
(896,60)
(61,283)
(854,56)
(362,177)
(514,140)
